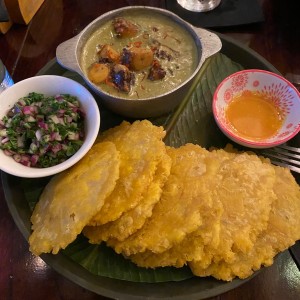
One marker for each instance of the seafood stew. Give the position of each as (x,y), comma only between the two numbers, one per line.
(139,56)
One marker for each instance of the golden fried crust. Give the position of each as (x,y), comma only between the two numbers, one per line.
(247,194)
(135,218)
(72,197)
(282,231)
(232,186)
(178,212)
(191,247)
(246,191)
(141,149)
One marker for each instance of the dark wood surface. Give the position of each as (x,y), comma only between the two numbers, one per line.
(26,49)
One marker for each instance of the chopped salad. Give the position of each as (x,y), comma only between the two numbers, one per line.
(42,131)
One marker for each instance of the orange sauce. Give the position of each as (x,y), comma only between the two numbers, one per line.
(254,117)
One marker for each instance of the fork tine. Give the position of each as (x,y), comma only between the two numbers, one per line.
(278,150)
(292,168)
(290,148)
(284,156)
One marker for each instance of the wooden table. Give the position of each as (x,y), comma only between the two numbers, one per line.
(26,49)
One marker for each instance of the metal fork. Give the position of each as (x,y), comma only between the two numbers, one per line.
(284,156)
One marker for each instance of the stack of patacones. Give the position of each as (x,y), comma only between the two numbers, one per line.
(224,214)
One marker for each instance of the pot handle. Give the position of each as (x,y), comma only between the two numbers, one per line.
(66,55)
(211,43)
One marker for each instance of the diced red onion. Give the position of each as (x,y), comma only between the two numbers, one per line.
(26,163)
(34,109)
(61,112)
(56,148)
(69,119)
(8,152)
(59,97)
(27,110)
(55,136)
(43,125)
(25,158)
(34,159)
(5,140)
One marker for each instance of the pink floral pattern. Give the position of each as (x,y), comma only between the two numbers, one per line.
(239,82)
(279,95)
(255,83)
(283,134)
(228,95)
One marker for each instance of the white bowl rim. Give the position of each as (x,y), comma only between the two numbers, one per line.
(29,172)
(244,141)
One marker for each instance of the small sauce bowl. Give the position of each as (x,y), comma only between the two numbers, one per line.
(269,87)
